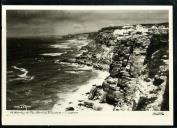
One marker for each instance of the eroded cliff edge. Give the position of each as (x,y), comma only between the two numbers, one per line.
(137,59)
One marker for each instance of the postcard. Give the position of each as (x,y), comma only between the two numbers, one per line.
(87,65)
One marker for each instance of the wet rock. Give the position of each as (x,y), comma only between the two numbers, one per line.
(80,100)
(70,109)
(99,86)
(103,97)
(86,104)
(87,93)
(92,93)
(105,86)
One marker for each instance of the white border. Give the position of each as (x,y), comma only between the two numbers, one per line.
(91,118)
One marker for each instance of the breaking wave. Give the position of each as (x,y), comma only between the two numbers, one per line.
(52,54)
(60,46)
(24,75)
(74,72)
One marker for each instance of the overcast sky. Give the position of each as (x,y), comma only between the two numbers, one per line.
(42,22)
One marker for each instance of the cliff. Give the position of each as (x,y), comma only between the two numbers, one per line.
(137,59)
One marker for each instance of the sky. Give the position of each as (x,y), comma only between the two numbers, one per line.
(24,23)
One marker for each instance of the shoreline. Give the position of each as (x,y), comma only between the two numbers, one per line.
(81,94)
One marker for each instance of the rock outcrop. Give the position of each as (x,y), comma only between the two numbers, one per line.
(137,59)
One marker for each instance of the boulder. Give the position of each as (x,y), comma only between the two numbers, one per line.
(103,97)
(111,80)
(105,86)
(70,109)
(115,95)
(92,93)
(86,104)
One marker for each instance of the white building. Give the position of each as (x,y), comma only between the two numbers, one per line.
(122,32)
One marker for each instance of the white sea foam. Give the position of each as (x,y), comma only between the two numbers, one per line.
(23,75)
(57,61)
(77,66)
(52,54)
(9,72)
(65,46)
(71,99)
(71,64)
(77,55)
(25,72)
(65,63)
(84,68)
(74,71)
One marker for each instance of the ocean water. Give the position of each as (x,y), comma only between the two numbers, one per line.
(36,77)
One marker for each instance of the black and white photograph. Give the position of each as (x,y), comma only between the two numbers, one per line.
(88,60)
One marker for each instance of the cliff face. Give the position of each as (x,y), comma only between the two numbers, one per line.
(137,60)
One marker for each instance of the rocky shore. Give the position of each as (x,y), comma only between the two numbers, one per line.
(135,58)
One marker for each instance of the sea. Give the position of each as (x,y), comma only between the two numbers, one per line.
(37,77)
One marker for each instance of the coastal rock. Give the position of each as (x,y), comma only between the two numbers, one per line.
(92,93)
(137,60)
(86,104)
(111,80)
(115,95)
(103,97)
(70,109)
